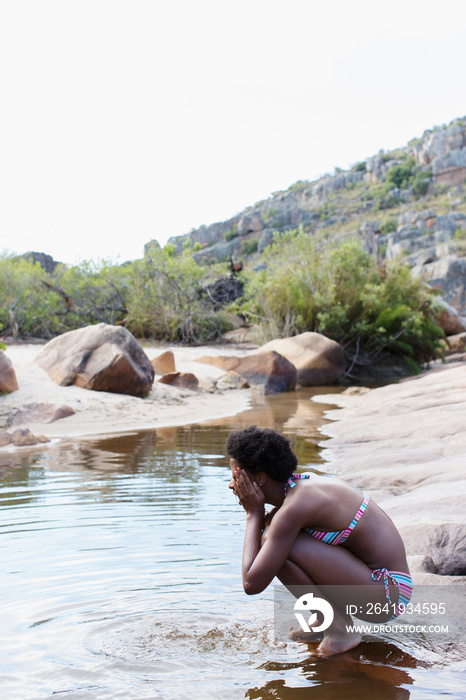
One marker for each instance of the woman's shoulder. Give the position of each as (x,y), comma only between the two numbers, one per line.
(318,493)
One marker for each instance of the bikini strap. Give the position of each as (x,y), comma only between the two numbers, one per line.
(291,483)
(385,575)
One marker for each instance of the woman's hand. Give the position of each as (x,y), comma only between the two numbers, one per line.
(250,494)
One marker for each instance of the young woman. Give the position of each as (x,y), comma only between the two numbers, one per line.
(321,532)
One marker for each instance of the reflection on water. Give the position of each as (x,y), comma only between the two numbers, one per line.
(121,576)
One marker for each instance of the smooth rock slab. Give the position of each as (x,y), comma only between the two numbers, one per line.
(101,357)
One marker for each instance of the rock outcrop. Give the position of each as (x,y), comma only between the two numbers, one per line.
(318,360)
(8,381)
(421,220)
(445,151)
(101,357)
(46,262)
(447,274)
(405,443)
(268,369)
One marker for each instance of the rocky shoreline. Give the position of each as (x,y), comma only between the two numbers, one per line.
(404,444)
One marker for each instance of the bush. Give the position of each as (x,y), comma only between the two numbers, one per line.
(231,233)
(421,182)
(389,225)
(250,246)
(401,175)
(339,291)
(27,306)
(360,167)
(166,301)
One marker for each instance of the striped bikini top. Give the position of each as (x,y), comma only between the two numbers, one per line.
(339,536)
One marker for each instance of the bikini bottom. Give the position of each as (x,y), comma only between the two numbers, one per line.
(402,581)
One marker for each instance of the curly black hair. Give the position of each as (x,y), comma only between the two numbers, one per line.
(262,449)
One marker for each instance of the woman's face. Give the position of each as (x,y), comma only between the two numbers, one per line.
(233,466)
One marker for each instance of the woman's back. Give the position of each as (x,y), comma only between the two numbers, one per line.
(338,514)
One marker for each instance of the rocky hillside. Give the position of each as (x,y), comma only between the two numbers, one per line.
(408,204)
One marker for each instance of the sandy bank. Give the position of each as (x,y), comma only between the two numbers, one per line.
(102,412)
(404,444)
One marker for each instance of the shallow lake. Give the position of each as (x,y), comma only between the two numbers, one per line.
(121,576)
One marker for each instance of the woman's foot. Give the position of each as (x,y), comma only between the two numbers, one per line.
(330,645)
(338,638)
(297,634)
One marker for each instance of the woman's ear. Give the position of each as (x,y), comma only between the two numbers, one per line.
(261,478)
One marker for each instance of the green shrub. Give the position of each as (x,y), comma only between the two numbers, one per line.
(360,167)
(298,186)
(401,175)
(250,246)
(27,306)
(386,201)
(389,225)
(339,290)
(231,233)
(421,182)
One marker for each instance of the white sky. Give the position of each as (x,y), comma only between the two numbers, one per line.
(123,121)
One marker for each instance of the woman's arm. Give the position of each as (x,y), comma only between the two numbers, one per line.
(261,565)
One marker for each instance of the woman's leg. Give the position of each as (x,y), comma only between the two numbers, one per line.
(313,566)
(338,637)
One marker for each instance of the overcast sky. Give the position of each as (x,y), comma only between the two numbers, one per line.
(123,121)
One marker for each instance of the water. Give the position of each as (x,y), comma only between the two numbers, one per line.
(121,577)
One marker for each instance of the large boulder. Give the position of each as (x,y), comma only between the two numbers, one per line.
(318,359)
(448,318)
(268,369)
(8,381)
(101,357)
(454,344)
